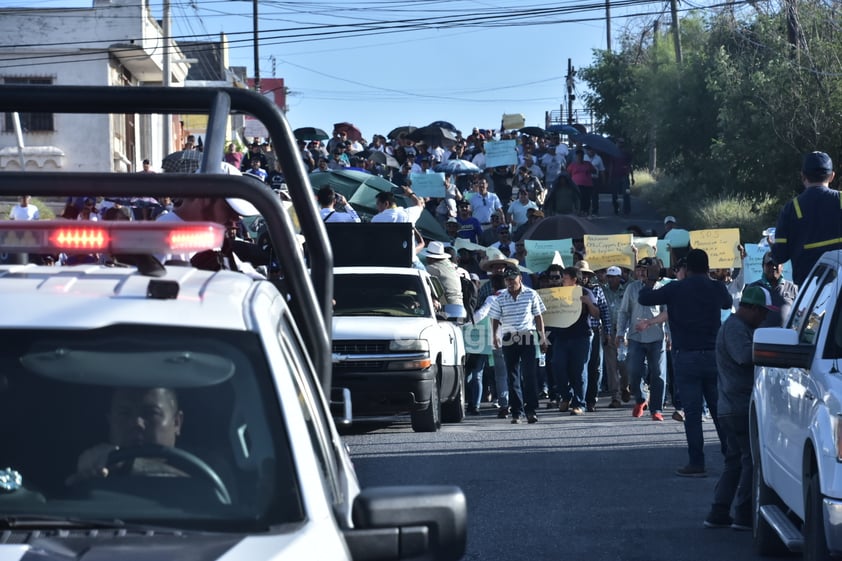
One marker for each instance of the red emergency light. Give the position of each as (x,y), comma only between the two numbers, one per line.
(115,237)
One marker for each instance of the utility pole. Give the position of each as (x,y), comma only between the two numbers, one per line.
(256,47)
(167,76)
(570,79)
(676,31)
(653,135)
(608,25)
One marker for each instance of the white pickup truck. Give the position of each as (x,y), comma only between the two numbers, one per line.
(393,350)
(796,423)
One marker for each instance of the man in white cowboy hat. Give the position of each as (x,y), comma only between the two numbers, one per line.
(494,264)
(439,265)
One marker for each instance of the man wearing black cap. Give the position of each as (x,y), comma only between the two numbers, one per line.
(783,291)
(811,223)
(694,305)
(517,326)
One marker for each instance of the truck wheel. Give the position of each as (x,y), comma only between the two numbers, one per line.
(454,410)
(815,541)
(429,420)
(766,540)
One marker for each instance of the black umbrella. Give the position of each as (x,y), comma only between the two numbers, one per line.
(433,136)
(397,131)
(599,144)
(532,131)
(444,125)
(310,133)
(560,227)
(379,157)
(183,161)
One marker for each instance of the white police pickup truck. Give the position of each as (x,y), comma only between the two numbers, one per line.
(158,412)
(796,422)
(396,349)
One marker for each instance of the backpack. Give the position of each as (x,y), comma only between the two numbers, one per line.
(469,296)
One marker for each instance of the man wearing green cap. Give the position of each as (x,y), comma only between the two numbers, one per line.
(735,382)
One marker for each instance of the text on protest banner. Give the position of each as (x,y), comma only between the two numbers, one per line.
(754,263)
(721,245)
(428,184)
(664,253)
(540,254)
(564,305)
(607,251)
(501,153)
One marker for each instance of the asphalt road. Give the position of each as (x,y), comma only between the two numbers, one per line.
(596,487)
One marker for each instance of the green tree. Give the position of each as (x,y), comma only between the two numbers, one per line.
(736,116)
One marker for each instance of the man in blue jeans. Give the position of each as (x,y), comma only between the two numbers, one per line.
(736,381)
(517,324)
(694,318)
(641,328)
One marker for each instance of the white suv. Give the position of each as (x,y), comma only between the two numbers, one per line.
(796,422)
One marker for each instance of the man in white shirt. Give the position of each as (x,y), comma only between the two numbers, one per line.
(328,200)
(389,211)
(484,204)
(519,207)
(24,210)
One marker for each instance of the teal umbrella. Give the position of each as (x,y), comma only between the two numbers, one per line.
(348,181)
(361,188)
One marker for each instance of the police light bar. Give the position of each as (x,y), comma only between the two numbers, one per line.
(113,237)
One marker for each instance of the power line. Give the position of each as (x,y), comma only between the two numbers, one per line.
(342,31)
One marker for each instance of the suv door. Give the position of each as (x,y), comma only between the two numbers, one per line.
(793,391)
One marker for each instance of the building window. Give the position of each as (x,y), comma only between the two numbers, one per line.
(29,122)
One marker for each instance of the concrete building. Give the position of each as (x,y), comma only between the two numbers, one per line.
(114,43)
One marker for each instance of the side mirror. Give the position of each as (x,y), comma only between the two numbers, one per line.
(411,522)
(455,311)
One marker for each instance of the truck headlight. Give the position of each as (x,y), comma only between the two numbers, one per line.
(410,354)
(409,345)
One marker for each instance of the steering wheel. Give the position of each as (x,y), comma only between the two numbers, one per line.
(180,459)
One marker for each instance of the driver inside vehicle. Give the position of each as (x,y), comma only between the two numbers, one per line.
(137,417)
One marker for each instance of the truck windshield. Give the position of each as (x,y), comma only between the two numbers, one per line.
(379,294)
(143,424)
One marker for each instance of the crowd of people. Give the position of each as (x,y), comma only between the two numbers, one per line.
(558,178)
(648,335)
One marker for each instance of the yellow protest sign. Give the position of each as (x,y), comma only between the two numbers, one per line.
(564,305)
(720,244)
(607,251)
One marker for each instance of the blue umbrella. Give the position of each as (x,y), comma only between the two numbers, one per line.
(564,129)
(457,167)
(600,144)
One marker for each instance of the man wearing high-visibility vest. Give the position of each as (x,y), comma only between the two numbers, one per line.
(811,223)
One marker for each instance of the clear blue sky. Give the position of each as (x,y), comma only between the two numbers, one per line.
(381,64)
